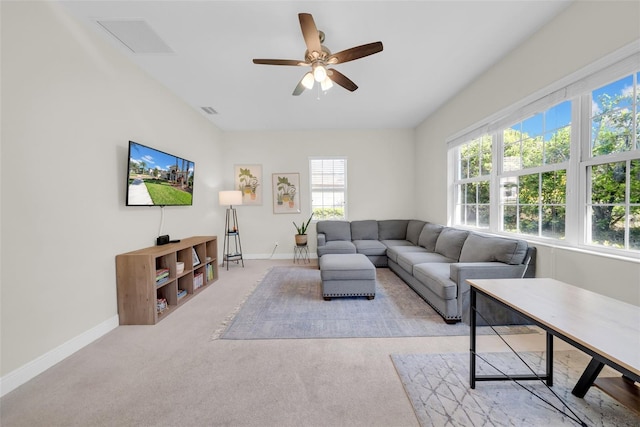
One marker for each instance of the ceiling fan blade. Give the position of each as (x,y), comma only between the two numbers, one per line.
(355,53)
(280,62)
(342,80)
(310,32)
(299,89)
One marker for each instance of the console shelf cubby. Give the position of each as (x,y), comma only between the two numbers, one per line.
(150,286)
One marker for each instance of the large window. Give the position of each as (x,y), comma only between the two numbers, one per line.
(328,187)
(535,156)
(565,167)
(613,168)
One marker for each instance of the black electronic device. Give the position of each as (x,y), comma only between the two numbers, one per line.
(163,240)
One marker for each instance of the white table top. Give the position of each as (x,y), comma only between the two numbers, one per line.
(607,326)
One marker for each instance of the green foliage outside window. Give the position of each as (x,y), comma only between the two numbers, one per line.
(614,214)
(328,213)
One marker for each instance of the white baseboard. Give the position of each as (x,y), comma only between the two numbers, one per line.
(16,378)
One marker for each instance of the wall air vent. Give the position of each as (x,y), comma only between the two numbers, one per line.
(209,110)
(137,35)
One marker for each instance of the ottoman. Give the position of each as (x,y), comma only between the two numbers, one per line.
(347,275)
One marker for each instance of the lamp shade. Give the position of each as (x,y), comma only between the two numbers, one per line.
(230,197)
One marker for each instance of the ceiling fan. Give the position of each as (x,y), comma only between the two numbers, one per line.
(319,58)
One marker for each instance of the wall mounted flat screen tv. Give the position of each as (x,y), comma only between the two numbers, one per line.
(156,178)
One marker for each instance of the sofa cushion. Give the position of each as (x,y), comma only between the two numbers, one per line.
(392,229)
(408,260)
(393,243)
(337,247)
(483,248)
(353,267)
(435,276)
(394,251)
(370,247)
(414,228)
(450,242)
(429,236)
(334,230)
(364,230)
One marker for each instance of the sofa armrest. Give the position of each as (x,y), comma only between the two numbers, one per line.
(461,271)
(322,239)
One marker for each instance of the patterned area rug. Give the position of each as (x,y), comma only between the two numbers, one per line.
(288,303)
(438,387)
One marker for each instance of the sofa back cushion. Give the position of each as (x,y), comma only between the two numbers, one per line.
(413,230)
(392,229)
(450,242)
(364,230)
(483,248)
(429,236)
(334,230)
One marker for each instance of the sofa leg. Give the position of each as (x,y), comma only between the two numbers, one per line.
(451,321)
(327,298)
(370,297)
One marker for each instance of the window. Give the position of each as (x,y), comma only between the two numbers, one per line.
(328,187)
(565,167)
(474,163)
(535,203)
(613,170)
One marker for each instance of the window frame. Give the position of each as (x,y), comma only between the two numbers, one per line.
(344,187)
(576,88)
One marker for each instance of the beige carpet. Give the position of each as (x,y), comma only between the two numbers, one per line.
(173,374)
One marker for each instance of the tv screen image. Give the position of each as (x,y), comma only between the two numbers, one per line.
(156,178)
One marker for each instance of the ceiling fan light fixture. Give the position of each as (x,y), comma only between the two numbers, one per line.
(308,80)
(326,84)
(319,73)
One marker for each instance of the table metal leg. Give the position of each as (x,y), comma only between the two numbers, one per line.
(472,335)
(549,359)
(588,377)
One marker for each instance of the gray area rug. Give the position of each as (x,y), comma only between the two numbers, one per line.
(438,387)
(288,303)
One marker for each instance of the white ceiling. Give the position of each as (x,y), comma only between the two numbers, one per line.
(432,49)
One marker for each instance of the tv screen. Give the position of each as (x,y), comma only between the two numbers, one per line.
(156,178)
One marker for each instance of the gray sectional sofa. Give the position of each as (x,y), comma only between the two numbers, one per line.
(434,260)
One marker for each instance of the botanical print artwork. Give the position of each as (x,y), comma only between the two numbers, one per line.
(286,196)
(248,179)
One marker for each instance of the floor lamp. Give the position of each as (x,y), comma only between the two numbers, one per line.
(231,229)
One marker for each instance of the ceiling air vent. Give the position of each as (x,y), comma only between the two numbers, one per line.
(209,110)
(136,35)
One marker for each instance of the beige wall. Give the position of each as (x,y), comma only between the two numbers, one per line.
(70,104)
(564,46)
(380,181)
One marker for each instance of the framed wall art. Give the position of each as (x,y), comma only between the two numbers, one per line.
(286,192)
(248,179)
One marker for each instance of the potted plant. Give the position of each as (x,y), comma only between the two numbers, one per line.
(253,184)
(245,179)
(301,237)
(292,193)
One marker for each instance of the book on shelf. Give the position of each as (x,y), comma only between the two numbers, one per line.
(181,293)
(162,273)
(209,272)
(161,305)
(162,280)
(198,280)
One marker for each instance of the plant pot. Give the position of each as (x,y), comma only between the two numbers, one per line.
(301,239)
